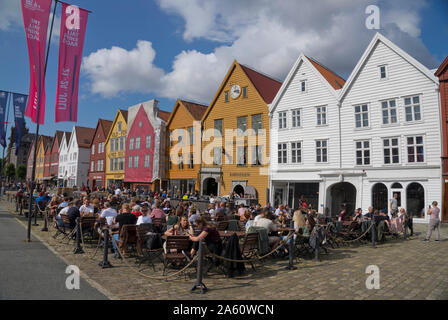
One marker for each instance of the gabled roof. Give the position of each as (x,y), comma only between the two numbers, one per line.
(327,77)
(46,140)
(104,125)
(84,136)
(124,114)
(266,86)
(196,110)
(442,68)
(164,115)
(67,137)
(57,138)
(333,79)
(380,38)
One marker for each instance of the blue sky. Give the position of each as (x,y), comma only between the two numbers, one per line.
(195,41)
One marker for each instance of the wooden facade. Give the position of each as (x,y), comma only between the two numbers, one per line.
(97,163)
(116,149)
(442,74)
(184,122)
(236,165)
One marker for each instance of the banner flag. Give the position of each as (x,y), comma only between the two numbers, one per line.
(19,104)
(3,103)
(36,14)
(71,41)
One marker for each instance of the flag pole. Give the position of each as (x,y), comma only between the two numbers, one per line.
(36,138)
(2,164)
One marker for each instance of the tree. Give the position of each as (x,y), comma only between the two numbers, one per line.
(10,171)
(21,172)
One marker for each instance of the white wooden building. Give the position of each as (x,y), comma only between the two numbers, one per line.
(382,135)
(73,170)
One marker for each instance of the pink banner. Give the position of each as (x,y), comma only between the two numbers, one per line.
(36,14)
(73,29)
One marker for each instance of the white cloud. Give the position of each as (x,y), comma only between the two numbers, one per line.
(267,35)
(10,14)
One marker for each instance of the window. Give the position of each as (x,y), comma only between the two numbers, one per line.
(137,143)
(217,156)
(241,156)
(122,142)
(190,161)
(296,118)
(130,162)
(190,135)
(361,116)
(99,165)
(140,124)
(218,127)
(171,138)
(383,72)
(282,153)
(136,158)
(111,164)
(180,140)
(241,123)
(116,144)
(363,153)
(170,164)
(256,155)
(226,96)
(391,151)
(244,92)
(282,120)
(389,109)
(415,149)
(147,158)
(257,124)
(180,164)
(321,116)
(296,152)
(303,86)
(321,151)
(119,126)
(93,149)
(92,166)
(412,108)
(131,144)
(148,142)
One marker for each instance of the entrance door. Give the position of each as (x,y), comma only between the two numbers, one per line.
(210,187)
(343,194)
(239,190)
(379,197)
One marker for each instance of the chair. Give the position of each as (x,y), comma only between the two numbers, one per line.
(87,226)
(175,250)
(143,252)
(222,225)
(128,236)
(249,248)
(66,229)
(159,225)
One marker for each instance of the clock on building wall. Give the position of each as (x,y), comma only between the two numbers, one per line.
(235,91)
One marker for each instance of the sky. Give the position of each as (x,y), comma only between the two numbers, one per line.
(138,50)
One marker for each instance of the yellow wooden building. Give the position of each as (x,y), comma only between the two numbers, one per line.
(184,147)
(42,144)
(236,158)
(116,149)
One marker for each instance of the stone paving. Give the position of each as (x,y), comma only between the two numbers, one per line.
(410,269)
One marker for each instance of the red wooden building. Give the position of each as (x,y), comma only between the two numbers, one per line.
(145,146)
(442,73)
(97,163)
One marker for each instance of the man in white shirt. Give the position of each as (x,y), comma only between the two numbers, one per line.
(64,203)
(118,192)
(109,213)
(270,226)
(86,208)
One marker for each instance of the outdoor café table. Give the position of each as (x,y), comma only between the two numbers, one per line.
(228,234)
(285,229)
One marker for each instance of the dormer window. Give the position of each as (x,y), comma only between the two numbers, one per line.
(226,96)
(383,72)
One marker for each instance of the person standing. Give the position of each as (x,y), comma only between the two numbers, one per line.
(434,221)
(394,204)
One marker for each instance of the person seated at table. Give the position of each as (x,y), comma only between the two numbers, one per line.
(269,225)
(157,212)
(86,209)
(220,213)
(251,221)
(396,224)
(382,216)
(171,218)
(369,213)
(343,215)
(108,213)
(182,228)
(53,206)
(241,210)
(211,236)
(193,215)
(245,216)
(65,202)
(299,220)
(125,217)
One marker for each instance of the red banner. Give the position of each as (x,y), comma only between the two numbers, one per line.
(73,29)
(36,14)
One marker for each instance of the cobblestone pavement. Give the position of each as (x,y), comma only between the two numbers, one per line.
(410,269)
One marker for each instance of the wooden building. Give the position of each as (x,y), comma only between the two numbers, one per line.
(42,146)
(116,149)
(235,158)
(184,132)
(442,74)
(97,167)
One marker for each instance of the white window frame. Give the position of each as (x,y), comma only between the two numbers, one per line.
(93,148)
(147,161)
(137,143)
(389,113)
(131,144)
(136,161)
(282,120)
(363,149)
(148,141)
(412,106)
(282,153)
(302,83)
(296,116)
(361,114)
(414,145)
(321,148)
(386,70)
(391,147)
(321,113)
(297,149)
